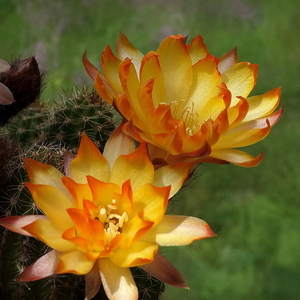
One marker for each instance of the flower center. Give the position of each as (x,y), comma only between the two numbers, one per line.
(112,221)
(187,115)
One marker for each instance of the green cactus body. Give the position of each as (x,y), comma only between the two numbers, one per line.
(82,112)
(27,127)
(45,135)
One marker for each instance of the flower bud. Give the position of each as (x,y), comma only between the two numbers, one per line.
(24,80)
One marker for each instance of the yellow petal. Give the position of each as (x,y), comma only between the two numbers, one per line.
(178,231)
(145,98)
(131,167)
(118,282)
(118,144)
(104,88)
(74,262)
(53,203)
(176,65)
(138,253)
(89,161)
(236,157)
(172,175)
(152,201)
(151,70)
(130,85)
(102,193)
(197,49)
(237,113)
(110,65)
(263,105)
(248,134)
(78,191)
(240,80)
(213,108)
(135,228)
(206,79)
(126,49)
(44,174)
(49,234)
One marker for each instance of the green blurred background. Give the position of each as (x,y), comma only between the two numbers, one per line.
(255,212)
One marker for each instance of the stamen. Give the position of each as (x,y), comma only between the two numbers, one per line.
(102,214)
(112,222)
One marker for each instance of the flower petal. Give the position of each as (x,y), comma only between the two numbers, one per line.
(130,84)
(74,262)
(16,223)
(178,231)
(4,65)
(48,233)
(89,161)
(262,105)
(90,68)
(118,282)
(43,267)
(52,202)
(244,135)
(197,49)
(110,65)
(78,191)
(92,283)
(152,201)
(118,144)
(177,76)
(6,96)
(206,79)
(135,228)
(136,254)
(228,60)
(131,166)
(151,71)
(240,80)
(104,88)
(237,157)
(126,49)
(275,116)
(163,270)
(172,175)
(44,174)
(102,192)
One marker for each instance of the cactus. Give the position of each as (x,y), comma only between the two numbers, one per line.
(44,135)
(81,112)
(76,113)
(26,128)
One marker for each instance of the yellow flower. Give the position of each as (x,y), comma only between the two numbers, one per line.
(106,215)
(185,103)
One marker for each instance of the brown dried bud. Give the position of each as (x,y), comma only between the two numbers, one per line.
(24,80)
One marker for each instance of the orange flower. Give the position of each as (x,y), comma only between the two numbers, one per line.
(185,103)
(105,216)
